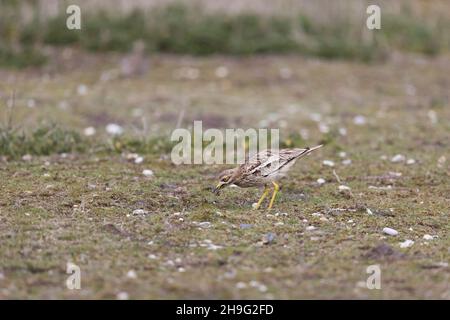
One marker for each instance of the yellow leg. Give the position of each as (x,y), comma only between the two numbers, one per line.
(276,188)
(265,193)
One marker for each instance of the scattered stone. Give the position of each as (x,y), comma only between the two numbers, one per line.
(89,131)
(27,157)
(241,285)
(388,187)
(254,205)
(398,158)
(390,231)
(328,163)
(181,269)
(82,90)
(343,188)
(343,131)
(369,211)
(310,228)
(428,237)
(204,224)
(441,161)
(406,244)
(114,129)
(359,120)
(221,72)
(321,181)
(139,212)
(347,162)
(285,73)
(139,160)
(342,154)
(147,173)
(410,161)
(152,257)
(131,274)
(268,238)
(122,296)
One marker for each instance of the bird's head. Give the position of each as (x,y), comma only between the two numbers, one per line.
(226,178)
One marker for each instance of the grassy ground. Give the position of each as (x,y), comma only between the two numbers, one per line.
(79,207)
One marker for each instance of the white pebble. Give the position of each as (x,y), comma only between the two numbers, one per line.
(398,158)
(139,212)
(114,129)
(321,181)
(390,231)
(204,224)
(343,188)
(147,173)
(131,274)
(328,163)
(82,89)
(139,160)
(122,296)
(152,257)
(254,204)
(89,131)
(310,228)
(359,120)
(406,244)
(221,72)
(410,161)
(347,162)
(342,154)
(428,237)
(241,285)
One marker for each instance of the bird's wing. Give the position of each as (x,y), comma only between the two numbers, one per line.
(268,162)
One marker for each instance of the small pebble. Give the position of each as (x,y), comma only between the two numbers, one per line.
(114,129)
(344,188)
(139,160)
(89,131)
(390,231)
(321,181)
(328,163)
(140,212)
(428,237)
(131,274)
(398,158)
(410,161)
(359,120)
(147,173)
(310,228)
(241,285)
(268,238)
(122,296)
(347,162)
(406,244)
(204,224)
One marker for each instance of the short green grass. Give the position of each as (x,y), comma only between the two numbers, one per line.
(77,207)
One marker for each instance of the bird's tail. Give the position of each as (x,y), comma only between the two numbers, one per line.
(304,152)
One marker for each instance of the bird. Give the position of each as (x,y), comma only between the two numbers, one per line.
(262,169)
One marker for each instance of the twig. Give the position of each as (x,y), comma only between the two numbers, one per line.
(337,177)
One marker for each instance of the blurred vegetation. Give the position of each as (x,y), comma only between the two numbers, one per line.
(188,30)
(46,139)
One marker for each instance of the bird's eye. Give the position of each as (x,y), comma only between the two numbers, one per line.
(225,179)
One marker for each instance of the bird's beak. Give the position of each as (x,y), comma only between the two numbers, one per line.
(216,190)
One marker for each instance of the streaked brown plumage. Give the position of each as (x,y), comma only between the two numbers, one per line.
(265,167)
